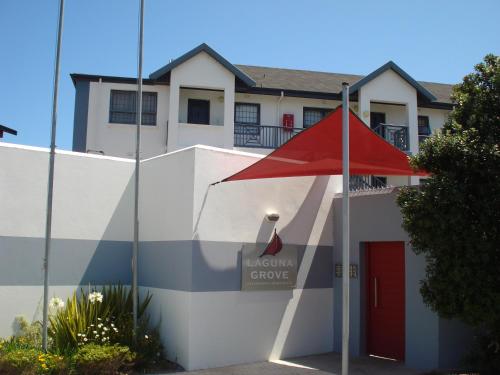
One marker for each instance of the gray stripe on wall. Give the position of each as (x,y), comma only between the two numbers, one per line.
(165,264)
(196,266)
(81,116)
(215,266)
(72,262)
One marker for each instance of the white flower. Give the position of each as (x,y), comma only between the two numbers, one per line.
(56,303)
(146,337)
(79,334)
(95,297)
(84,339)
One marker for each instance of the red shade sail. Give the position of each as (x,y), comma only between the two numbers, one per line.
(318,151)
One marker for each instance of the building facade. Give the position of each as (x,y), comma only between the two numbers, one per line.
(205,119)
(201,98)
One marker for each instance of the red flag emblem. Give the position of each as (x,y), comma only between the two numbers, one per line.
(274,247)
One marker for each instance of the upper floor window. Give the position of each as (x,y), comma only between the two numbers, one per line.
(313,115)
(247,113)
(123,107)
(198,111)
(423,125)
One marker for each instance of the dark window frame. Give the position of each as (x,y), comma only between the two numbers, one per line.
(324,110)
(257,105)
(427,125)
(134,112)
(191,100)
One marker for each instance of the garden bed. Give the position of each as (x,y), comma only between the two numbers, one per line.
(90,333)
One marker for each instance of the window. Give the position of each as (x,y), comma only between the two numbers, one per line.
(123,107)
(247,113)
(313,115)
(423,125)
(198,111)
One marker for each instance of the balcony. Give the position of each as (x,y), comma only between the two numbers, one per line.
(396,135)
(271,137)
(365,183)
(262,136)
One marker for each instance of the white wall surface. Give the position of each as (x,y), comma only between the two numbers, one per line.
(242,327)
(234,211)
(200,71)
(92,196)
(166,196)
(172,310)
(92,203)
(27,302)
(119,139)
(272,108)
(230,326)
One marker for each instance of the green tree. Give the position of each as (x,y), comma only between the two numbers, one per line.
(454,217)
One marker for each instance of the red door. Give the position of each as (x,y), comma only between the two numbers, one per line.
(385,286)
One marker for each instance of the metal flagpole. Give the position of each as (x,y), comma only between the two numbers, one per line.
(137,167)
(50,187)
(345,228)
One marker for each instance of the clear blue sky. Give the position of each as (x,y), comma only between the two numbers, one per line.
(432,40)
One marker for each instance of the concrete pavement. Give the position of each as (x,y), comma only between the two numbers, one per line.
(322,364)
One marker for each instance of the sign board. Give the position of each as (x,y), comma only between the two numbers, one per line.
(261,271)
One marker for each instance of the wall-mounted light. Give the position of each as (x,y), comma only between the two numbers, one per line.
(272,217)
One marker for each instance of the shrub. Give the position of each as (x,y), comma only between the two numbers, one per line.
(148,347)
(31,361)
(485,354)
(18,361)
(102,359)
(28,334)
(95,317)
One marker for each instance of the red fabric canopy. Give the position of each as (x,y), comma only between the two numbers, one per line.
(318,151)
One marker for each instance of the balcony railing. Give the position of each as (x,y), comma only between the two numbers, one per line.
(265,136)
(397,135)
(363,183)
(262,136)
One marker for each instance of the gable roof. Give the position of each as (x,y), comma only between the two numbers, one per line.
(325,82)
(203,48)
(6,129)
(391,65)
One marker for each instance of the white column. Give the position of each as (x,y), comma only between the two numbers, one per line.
(229,116)
(412,113)
(364,107)
(173,115)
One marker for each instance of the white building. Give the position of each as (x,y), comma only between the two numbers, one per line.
(201,98)
(193,235)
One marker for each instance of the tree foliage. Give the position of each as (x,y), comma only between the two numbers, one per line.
(454,217)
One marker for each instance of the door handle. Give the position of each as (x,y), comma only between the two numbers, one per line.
(375,292)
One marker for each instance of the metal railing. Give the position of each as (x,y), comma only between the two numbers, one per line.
(397,135)
(363,183)
(262,136)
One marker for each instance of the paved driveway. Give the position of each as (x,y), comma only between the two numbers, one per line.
(323,364)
